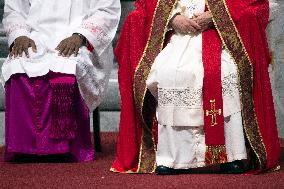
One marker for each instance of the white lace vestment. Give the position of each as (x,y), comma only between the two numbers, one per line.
(48,22)
(176,80)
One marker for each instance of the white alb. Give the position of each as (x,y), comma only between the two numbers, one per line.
(176,80)
(48,22)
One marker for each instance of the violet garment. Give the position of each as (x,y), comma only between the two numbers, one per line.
(28,118)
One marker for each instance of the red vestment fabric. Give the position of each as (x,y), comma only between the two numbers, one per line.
(250,18)
(128,52)
(212,87)
(212,98)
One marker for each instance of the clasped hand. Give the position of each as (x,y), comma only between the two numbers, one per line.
(66,47)
(200,22)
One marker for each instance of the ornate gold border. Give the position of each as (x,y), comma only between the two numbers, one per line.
(116,171)
(274,169)
(234,44)
(154,45)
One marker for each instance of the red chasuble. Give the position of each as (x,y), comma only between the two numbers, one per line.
(240,27)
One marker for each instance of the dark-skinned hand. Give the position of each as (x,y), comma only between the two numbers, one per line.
(204,20)
(70,46)
(184,25)
(21,45)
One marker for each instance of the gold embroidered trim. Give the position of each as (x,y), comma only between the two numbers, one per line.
(274,169)
(215,155)
(116,171)
(154,45)
(233,43)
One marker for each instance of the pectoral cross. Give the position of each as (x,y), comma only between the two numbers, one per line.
(213,113)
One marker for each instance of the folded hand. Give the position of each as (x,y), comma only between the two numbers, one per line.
(184,25)
(204,20)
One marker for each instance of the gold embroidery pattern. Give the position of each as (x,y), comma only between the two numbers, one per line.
(232,41)
(154,46)
(116,171)
(215,155)
(213,112)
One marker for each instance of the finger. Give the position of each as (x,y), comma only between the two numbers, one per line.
(59,46)
(181,28)
(76,51)
(11,53)
(20,51)
(191,29)
(195,25)
(66,50)
(62,48)
(71,51)
(33,45)
(199,22)
(15,51)
(183,31)
(196,20)
(178,30)
(26,50)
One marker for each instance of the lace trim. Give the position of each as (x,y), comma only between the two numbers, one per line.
(13,27)
(183,97)
(230,85)
(188,97)
(101,34)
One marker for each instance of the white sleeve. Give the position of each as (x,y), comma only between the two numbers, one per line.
(14,19)
(100,23)
(177,10)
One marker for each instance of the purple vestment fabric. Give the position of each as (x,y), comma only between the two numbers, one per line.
(28,118)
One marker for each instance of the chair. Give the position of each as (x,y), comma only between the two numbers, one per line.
(96,130)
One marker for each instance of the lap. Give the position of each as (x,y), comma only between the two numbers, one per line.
(40,64)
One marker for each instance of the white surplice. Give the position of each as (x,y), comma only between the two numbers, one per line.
(176,80)
(48,22)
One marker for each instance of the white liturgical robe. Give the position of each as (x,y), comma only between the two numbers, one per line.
(48,22)
(176,80)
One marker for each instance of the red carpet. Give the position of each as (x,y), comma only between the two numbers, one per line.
(97,175)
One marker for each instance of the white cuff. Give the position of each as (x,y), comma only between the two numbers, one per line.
(176,12)
(98,40)
(17,33)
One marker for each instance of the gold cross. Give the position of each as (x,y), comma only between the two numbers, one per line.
(213,113)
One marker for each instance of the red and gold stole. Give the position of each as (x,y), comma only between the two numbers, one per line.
(212,98)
